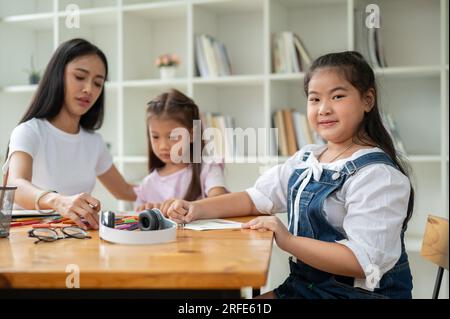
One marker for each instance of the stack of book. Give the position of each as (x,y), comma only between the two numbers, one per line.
(372,34)
(211,57)
(294,132)
(222,138)
(289,55)
(375,48)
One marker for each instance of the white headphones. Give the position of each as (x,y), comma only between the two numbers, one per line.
(154,229)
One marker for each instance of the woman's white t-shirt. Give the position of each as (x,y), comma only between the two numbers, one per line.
(67,163)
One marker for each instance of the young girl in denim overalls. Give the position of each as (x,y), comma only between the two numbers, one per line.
(348,201)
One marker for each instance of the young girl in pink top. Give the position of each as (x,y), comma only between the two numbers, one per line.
(168,178)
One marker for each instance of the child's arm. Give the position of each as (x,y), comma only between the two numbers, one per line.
(333,258)
(330,257)
(228,205)
(269,194)
(116,184)
(217,191)
(214,180)
(164,206)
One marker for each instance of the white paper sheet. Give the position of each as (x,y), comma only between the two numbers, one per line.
(209,224)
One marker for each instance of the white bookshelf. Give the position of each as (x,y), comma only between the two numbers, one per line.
(132,33)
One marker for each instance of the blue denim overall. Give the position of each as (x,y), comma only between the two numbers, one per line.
(307,282)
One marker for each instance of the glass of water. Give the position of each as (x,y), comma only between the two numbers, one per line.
(6,206)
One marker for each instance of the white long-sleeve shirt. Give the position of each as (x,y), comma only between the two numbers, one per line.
(370,208)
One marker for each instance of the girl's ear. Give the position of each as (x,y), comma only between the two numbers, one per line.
(369,100)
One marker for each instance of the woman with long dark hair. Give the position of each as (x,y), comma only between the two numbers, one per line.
(54,154)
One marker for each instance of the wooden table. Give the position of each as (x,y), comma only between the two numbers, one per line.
(214,263)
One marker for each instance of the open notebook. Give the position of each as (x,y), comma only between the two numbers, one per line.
(209,224)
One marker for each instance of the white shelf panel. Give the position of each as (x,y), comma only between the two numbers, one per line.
(287,76)
(133,159)
(155,11)
(424,158)
(229,6)
(417,71)
(87,4)
(305,3)
(18,88)
(35,21)
(230,80)
(92,11)
(176,83)
(94,17)
(32,88)
(25,7)
(111,85)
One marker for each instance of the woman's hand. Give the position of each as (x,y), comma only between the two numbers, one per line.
(182,211)
(272,223)
(77,207)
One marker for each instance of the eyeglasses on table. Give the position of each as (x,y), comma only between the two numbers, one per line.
(51,234)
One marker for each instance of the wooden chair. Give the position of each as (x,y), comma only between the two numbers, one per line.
(435,247)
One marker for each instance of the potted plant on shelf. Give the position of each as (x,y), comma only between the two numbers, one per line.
(34,75)
(167,64)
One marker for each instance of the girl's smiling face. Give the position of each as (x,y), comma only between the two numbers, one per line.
(335,107)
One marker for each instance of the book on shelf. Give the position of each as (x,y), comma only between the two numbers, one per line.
(294,131)
(375,49)
(305,57)
(202,68)
(223,139)
(391,127)
(302,128)
(290,133)
(279,125)
(211,57)
(380,50)
(289,54)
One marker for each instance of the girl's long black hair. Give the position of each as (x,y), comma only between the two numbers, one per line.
(49,97)
(358,72)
